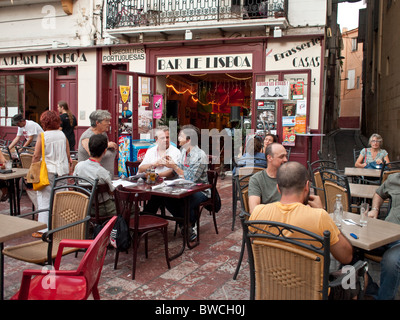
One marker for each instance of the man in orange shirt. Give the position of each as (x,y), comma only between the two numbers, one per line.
(293,209)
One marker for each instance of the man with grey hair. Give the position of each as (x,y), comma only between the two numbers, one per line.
(100,121)
(157,156)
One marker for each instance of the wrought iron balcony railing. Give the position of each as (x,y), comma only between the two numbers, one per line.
(137,13)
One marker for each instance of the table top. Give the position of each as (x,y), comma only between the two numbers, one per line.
(376,234)
(172,192)
(12,227)
(17,173)
(361,172)
(362,190)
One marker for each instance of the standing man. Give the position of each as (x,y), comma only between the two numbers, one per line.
(156,156)
(27,128)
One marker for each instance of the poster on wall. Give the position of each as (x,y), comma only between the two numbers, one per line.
(289,137)
(300,126)
(157,106)
(273,90)
(266,116)
(297,90)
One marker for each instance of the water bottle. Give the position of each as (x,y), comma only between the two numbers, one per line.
(338,211)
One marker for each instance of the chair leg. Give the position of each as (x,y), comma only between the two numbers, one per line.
(240,260)
(215,221)
(95,292)
(134,256)
(165,236)
(146,246)
(234,204)
(116,258)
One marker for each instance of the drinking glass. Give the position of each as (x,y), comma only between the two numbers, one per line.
(364,208)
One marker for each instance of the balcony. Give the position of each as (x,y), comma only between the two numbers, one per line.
(129,17)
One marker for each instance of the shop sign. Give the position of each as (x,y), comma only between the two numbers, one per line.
(205,63)
(124,55)
(295,55)
(36,60)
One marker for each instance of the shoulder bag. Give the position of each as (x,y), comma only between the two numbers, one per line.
(43,174)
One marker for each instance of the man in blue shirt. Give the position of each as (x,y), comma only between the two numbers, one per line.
(192,165)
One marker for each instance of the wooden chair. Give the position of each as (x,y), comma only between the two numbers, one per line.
(294,267)
(242,171)
(210,203)
(140,225)
(69,211)
(316,181)
(132,167)
(69,284)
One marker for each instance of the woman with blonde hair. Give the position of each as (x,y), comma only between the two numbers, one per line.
(373,157)
(68,123)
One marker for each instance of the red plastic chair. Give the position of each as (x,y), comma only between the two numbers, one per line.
(69,284)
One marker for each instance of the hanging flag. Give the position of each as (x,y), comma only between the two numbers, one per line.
(124,90)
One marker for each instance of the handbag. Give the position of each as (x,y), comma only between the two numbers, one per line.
(43,174)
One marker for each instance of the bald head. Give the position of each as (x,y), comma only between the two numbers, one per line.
(292,177)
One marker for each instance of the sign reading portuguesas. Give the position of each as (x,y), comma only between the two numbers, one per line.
(205,63)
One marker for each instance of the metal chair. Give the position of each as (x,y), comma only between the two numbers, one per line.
(336,184)
(388,169)
(69,284)
(290,263)
(242,171)
(242,186)
(210,203)
(69,210)
(140,225)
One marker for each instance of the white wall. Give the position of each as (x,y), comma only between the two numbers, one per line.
(307,12)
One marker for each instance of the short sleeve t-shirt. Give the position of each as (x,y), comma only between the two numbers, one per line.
(263,186)
(31,128)
(299,215)
(152,156)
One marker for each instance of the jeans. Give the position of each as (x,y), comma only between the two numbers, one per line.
(177,206)
(390,272)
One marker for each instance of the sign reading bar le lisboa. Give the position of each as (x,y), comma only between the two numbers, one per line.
(205,63)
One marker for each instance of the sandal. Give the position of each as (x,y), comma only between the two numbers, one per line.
(37,234)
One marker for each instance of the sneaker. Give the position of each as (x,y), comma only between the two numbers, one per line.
(192,233)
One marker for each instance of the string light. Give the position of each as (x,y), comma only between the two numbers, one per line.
(181,92)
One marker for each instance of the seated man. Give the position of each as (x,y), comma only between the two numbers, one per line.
(156,156)
(91,168)
(390,264)
(192,165)
(294,187)
(262,185)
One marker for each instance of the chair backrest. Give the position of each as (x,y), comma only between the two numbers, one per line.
(125,199)
(389,168)
(132,167)
(70,203)
(335,184)
(242,185)
(26,160)
(244,171)
(92,262)
(356,154)
(287,262)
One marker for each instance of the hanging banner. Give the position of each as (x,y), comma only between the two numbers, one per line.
(124,91)
(157,106)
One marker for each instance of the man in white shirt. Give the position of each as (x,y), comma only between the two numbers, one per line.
(156,156)
(27,128)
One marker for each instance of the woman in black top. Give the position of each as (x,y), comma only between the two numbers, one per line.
(68,123)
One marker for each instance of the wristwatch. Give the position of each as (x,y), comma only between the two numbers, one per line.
(375,208)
